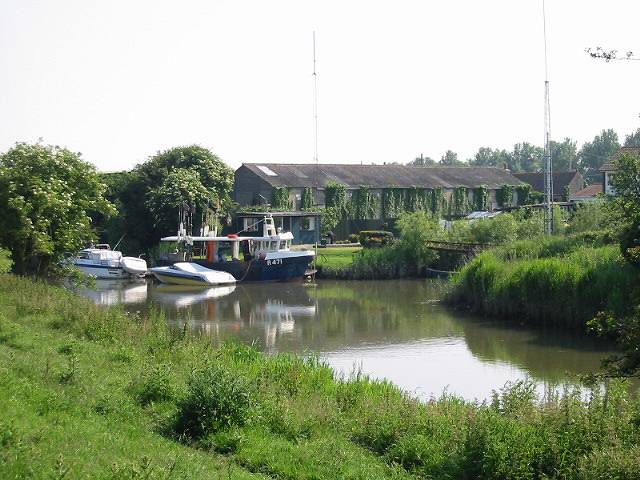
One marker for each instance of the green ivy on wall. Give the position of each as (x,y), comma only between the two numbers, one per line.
(417,199)
(335,196)
(460,202)
(437,202)
(306,202)
(363,204)
(524,194)
(280,199)
(504,196)
(481,198)
(393,202)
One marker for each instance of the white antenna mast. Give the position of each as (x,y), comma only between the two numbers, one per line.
(548,166)
(315,110)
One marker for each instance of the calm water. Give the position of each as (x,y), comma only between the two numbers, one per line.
(396,330)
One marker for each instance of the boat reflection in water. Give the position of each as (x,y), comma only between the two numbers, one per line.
(255,313)
(396,330)
(181,296)
(115,292)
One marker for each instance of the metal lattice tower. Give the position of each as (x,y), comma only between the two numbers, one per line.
(548,164)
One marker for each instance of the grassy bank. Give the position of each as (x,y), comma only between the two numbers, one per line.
(564,281)
(88,392)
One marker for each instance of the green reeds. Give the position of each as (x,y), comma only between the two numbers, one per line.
(558,281)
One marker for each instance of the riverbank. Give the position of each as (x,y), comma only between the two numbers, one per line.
(562,281)
(93,392)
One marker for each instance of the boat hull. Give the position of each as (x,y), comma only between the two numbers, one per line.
(102,271)
(281,269)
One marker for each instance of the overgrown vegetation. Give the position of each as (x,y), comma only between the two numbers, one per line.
(93,392)
(563,281)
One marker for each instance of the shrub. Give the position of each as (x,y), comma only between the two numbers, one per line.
(215,400)
(353,238)
(375,238)
(5,261)
(156,384)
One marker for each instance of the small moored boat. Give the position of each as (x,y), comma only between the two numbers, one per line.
(102,262)
(187,273)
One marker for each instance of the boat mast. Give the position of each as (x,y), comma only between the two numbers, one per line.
(548,166)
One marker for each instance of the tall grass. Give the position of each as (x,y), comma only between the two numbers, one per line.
(562,281)
(149,402)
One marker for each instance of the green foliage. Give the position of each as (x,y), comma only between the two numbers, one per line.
(588,216)
(149,195)
(181,187)
(215,400)
(524,194)
(626,205)
(450,159)
(460,202)
(156,384)
(481,198)
(504,196)
(564,281)
(280,199)
(5,261)
(564,155)
(437,201)
(594,154)
(47,195)
(393,202)
(307,202)
(375,238)
(279,415)
(415,231)
(335,195)
(363,204)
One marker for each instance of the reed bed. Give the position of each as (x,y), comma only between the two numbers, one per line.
(559,281)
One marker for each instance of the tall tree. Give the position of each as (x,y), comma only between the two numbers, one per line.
(150,195)
(487,157)
(47,195)
(450,159)
(593,154)
(633,139)
(526,157)
(564,155)
(422,161)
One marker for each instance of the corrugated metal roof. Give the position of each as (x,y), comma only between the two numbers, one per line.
(381,176)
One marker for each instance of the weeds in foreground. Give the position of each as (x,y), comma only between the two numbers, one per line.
(235,413)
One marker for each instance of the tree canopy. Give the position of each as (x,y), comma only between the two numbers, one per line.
(47,197)
(151,195)
(594,154)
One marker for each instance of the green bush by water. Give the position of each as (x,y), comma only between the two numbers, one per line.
(563,281)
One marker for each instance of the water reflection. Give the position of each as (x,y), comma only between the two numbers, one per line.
(392,329)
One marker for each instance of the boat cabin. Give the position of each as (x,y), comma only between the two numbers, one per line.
(234,247)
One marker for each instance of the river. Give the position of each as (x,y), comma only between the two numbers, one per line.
(396,330)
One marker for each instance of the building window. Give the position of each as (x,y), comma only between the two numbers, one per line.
(250,224)
(308,223)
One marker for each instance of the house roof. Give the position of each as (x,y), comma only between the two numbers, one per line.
(609,165)
(536,179)
(588,192)
(380,176)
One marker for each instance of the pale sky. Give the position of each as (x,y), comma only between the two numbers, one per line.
(119,80)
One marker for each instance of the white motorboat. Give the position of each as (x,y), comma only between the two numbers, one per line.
(102,262)
(187,273)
